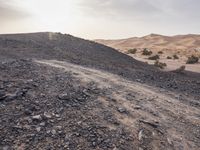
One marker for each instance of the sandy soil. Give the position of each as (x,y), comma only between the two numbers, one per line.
(171,63)
(181,45)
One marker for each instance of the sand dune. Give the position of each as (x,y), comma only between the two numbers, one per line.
(156,42)
(181,45)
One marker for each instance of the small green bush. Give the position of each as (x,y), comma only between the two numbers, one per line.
(168,57)
(175,56)
(132,51)
(192,60)
(156,57)
(160,64)
(146,52)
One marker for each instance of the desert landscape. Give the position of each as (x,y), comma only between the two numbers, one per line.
(166,47)
(62,92)
(99,75)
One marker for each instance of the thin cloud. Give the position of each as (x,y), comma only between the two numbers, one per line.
(121,8)
(9,11)
(101,18)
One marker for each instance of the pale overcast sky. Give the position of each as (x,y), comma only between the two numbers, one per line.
(106,19)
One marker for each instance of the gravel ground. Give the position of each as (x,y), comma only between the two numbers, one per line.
(106,101)
(45,108)
(87,53)
(56,105)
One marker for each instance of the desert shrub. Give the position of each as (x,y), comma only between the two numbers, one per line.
(175,56)
(160,64)
(192,60)
(146,52)
(180,69)
(132,51)
(160,52)
(168,57)
(156,57)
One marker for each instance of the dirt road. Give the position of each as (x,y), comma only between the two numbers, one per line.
(154,116)
(74,94)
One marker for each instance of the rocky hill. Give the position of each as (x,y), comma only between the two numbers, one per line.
(59,46)
(62,92)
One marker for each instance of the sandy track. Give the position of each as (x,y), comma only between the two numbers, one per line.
(177,123)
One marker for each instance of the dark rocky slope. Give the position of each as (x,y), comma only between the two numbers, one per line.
(44,107)
(68,48)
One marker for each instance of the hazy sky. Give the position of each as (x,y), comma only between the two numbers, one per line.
(101,18)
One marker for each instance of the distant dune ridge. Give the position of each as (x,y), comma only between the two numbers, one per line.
(156,42)
(183,46)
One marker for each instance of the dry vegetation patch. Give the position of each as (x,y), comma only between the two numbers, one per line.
(192,59)
(132,51)
(169,57)
(175,56)
(160,64)
(146,52)
(155,57)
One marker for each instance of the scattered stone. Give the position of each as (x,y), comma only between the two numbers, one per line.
(27,127)
(59,119)
(47,115)
(137,107)
(140,135)
(85,92)
(17,127)
(10,97)
(52,121)
(59,127)
(154,125)
(139,80)
(169,141)
(53,132)
(48,131)
(28,112)
(63,97)
(79,123)
(122,110)
(38,129)
(162,90)
(57,115)
(130,97)
(42,124)
(94,144)
(86,124)
(37,118)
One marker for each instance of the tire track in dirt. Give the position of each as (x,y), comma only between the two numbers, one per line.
(139,107)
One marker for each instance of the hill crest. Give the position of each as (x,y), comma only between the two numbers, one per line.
(156,41)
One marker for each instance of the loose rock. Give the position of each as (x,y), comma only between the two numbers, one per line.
(63,96)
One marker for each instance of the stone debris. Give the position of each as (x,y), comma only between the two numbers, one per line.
(44,107)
